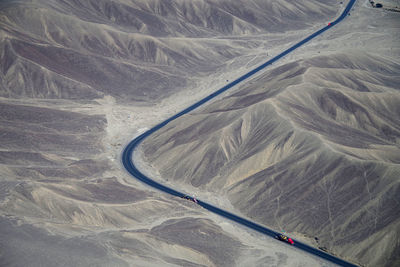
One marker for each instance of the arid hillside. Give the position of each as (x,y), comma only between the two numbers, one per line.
(311,146)
(78,80)
(135,51)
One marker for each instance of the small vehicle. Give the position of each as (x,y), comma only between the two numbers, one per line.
(284,238)
(190,198)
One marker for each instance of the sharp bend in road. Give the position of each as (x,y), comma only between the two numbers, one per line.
(133,170)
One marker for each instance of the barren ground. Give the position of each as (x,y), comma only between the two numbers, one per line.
(80,79)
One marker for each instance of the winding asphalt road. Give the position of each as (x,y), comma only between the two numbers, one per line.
(132,169)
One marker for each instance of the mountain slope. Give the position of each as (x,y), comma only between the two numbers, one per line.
(310,147)
(78,80)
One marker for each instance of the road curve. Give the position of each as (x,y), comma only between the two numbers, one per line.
(133,170)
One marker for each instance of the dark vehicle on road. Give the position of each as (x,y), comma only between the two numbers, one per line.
(284,238)
(189,198)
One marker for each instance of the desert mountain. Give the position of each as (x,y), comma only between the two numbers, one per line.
(79,79)
(310,147)
(138,50)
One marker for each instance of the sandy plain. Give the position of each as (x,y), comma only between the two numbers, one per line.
(79,79)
